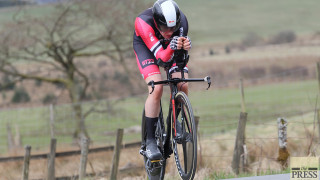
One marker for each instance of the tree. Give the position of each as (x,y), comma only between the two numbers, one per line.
(55,42)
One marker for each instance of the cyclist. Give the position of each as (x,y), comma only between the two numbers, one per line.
(160,31)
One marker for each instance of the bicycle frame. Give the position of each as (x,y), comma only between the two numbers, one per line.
(169,134)
(173,83)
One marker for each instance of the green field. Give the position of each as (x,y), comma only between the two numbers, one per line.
(214,21)
(218,110)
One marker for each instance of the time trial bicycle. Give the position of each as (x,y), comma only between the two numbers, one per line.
(180,119)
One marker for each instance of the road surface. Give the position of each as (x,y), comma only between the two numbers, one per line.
(268,177)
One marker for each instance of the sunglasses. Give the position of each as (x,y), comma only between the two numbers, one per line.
(167,29)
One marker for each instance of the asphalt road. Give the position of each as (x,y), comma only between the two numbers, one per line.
(269,177)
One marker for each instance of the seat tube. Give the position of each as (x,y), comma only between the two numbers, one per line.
(174,116)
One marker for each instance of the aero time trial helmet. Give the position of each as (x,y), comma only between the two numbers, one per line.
(166,15)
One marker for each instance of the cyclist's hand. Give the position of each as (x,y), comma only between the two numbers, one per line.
(176,43)
(186,43)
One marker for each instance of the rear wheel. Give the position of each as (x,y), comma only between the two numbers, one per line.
(155,170)
(185,146)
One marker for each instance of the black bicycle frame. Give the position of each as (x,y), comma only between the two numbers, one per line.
(173,83)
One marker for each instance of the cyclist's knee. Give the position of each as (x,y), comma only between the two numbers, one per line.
(157,92)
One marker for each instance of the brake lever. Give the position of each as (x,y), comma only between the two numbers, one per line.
(208,79)
(151,83)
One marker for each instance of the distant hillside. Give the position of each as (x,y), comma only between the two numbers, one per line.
(8,3)
(220,21)
(213,21)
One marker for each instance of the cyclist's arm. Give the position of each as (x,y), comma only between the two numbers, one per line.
(146,32)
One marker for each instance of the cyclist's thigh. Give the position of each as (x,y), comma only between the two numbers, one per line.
(145,60)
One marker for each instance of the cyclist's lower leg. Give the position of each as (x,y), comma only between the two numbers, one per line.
(152,110)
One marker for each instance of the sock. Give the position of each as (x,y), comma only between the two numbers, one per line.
(151,125)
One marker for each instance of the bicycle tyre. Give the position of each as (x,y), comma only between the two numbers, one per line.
(158,174)
(185,151)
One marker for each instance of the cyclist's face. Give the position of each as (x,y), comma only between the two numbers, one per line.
(166,29)
(166,32)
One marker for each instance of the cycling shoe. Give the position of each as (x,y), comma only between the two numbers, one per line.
(152,151)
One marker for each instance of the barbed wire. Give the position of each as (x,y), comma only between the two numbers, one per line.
(21,117)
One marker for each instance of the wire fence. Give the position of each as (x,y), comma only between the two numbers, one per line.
(33,125)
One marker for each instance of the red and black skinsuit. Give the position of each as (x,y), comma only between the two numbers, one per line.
(149,45)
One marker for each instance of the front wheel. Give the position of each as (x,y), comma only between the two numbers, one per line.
(184,145)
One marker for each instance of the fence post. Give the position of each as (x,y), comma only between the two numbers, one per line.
(9,137)
(116,155)
(282,136)
(243,105)
(240,141)
(17,138)
(51,160)
(25,171)
(318,111)
(84,156)
(318,115)
(240,147)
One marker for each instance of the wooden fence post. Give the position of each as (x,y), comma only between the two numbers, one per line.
(10,140)
(240,144)
(318,115)
(243,105)
(318,111)
(116,155)
(17,138)
(51,160)
(282,136)
(84,157)
(25,171)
